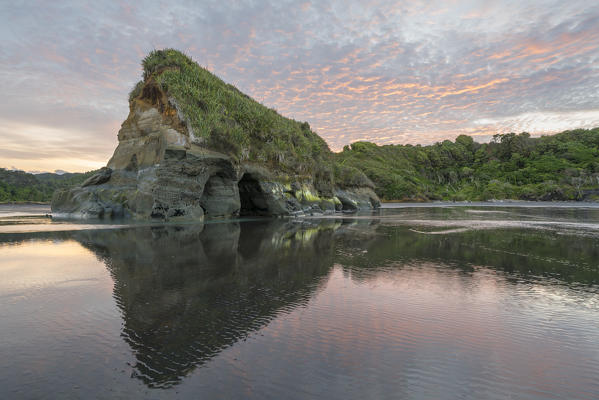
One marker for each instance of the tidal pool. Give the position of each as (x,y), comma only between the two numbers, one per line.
(408,302)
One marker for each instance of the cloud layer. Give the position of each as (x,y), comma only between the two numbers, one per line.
(384,71)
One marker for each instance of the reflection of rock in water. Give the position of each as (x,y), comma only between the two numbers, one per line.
(186,293)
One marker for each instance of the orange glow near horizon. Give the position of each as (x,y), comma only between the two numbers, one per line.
(35,265)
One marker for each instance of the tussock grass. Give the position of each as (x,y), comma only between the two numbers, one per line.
(224,119)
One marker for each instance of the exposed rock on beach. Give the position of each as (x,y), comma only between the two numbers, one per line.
(194,147)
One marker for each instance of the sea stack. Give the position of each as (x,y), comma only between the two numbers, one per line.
(195,147)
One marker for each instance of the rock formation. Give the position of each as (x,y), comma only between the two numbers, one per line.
(194,147)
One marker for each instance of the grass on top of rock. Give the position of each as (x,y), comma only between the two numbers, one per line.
(224,119)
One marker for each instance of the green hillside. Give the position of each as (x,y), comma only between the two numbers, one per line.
(559,167)
(19,186)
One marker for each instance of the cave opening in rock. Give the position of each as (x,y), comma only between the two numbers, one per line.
(347,206)
(251,197)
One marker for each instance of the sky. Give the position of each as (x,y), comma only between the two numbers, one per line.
(384,71)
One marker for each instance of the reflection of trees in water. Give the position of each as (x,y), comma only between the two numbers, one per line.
(517,252)
(186,293)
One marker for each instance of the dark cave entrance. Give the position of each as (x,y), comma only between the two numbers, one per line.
(251,197)
(347,206)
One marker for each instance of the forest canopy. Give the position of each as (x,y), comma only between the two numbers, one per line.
(564,166)
(20,186)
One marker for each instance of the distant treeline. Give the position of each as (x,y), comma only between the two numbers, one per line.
(564,166)
(19,186)
(512,166)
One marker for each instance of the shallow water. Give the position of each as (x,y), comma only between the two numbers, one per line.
(443,302)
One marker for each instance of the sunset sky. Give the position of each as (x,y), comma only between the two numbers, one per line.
(382,71)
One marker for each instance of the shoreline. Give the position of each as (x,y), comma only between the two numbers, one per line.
(24,203)
(403,201)
(492,201)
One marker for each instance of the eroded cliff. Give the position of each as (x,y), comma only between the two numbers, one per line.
(194,147)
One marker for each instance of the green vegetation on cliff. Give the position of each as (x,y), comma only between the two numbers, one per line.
(19,186)
(224,119)
(559,167)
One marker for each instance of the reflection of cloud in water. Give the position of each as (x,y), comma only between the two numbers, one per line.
(336,294)
(48,226)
